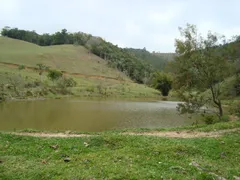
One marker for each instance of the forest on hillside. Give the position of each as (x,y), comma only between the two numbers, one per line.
(137,69)
(158,60)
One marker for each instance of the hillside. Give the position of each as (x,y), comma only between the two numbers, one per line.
(92,74)
(138,70)
(157,60)
(74,59)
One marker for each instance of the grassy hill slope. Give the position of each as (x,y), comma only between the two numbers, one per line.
(74,59)
(93,76)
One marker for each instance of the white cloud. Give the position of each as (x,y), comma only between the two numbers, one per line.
(136,23)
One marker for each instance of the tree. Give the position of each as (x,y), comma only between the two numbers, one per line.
(41,68)
(54,75)
(201,65)
(21,67)
(162,82)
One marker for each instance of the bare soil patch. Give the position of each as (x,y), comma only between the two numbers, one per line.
(184,134)
(169,134)
(50,135)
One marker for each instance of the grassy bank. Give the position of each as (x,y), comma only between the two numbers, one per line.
(28,84)
(112,155)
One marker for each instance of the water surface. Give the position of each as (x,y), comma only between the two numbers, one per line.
(84,115)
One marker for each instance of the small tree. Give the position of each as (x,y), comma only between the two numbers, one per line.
(54,75)
(162,82)
(41,68)
(201,65)
(21,67)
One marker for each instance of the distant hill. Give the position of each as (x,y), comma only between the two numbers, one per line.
(117,58)
(93,74)
(74,59)
(157,60)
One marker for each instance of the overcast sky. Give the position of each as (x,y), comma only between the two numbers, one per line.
(129,23)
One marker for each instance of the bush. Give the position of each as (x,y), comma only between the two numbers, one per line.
(64,83)
(210,118)
(235,108)
(2,93)
(102,89)
(32,84)
(90,89)
(54,75)
(162,82)
(67,82)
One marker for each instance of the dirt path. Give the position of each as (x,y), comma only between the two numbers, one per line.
(170,134)
(51,135)
(12,65)
(184,134)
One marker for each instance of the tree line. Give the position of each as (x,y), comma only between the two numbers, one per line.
(158,60)
(119,58)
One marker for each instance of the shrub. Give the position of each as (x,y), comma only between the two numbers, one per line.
(162,82)
(67,82)
(64,83)
(102,89)
(235,108)
(32,84)
(209,119)
(90,89)
(2,93)
(54,75)
(21,67)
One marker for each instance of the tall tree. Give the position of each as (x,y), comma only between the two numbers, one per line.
(201,64)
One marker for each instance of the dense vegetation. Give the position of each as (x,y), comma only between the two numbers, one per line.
(137,69)
(203,65)
(157,60)
(162,82)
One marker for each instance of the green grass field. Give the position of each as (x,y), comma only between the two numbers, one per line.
(112,155)
(72,59)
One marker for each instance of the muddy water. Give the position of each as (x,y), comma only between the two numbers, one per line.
(82,115)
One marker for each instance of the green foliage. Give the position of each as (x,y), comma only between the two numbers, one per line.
(235,108)
(67,82)
(193,101)
(137,69)
(21,67)
(162,82)
(202,64)
(157,60)
(42,68)
(102,89)
(209,118)
(54,75)
(237,85)
(2,93)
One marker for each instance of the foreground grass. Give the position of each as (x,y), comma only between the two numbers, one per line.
(116,156)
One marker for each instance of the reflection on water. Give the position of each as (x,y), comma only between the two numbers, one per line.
(80,115)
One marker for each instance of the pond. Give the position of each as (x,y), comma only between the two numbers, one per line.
(89,115)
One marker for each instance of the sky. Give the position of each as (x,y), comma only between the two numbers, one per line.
(152,24)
